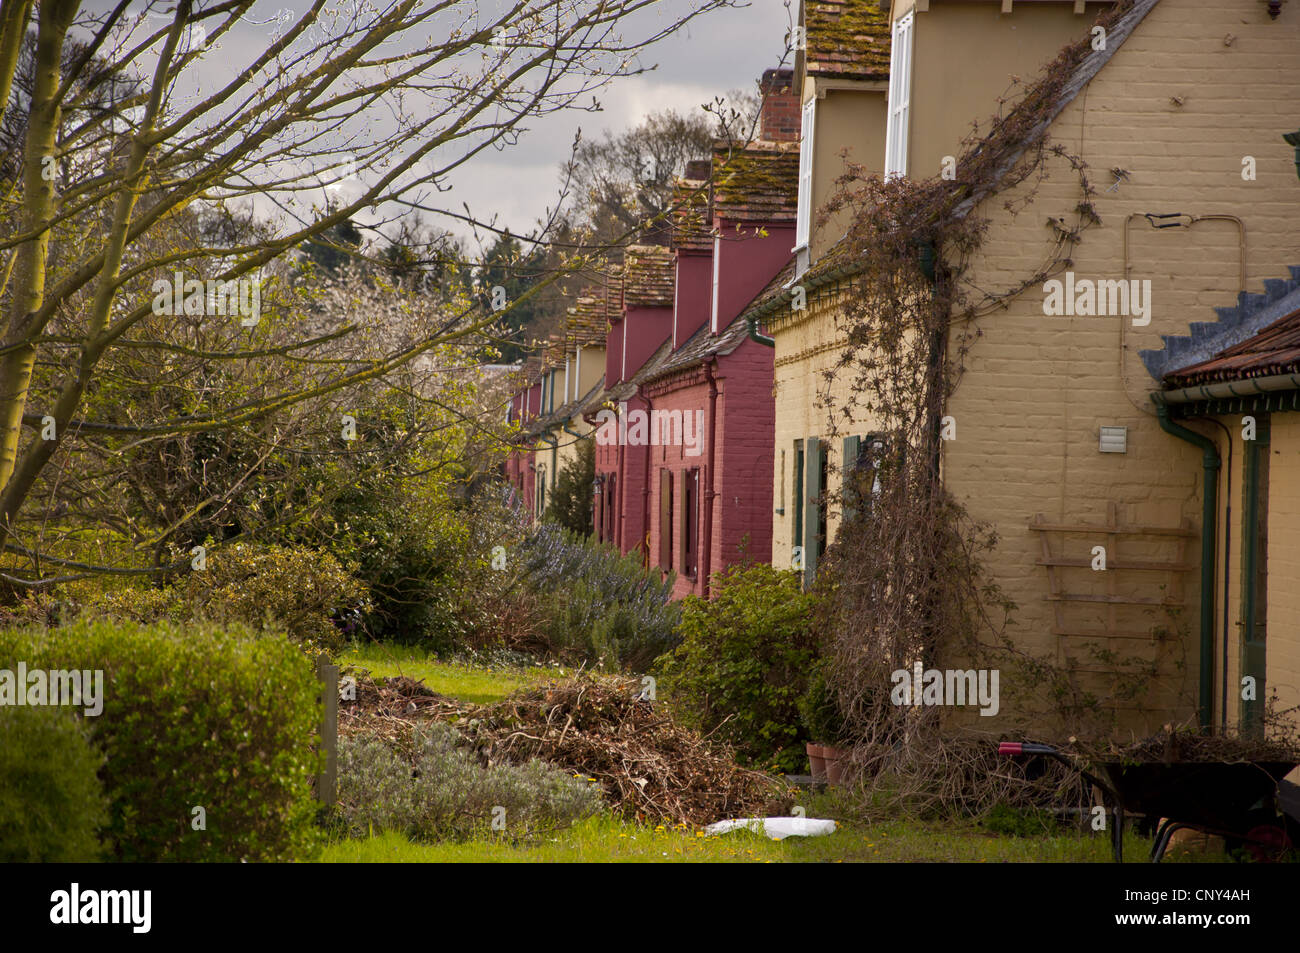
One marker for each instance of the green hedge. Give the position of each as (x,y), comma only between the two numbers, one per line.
(223,719)
(51,802)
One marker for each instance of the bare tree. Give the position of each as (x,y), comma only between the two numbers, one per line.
(108,252)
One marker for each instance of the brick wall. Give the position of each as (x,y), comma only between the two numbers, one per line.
(742,507)
(780,118)
(1038,388)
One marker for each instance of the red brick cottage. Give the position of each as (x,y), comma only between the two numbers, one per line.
(684,428)
(710,493)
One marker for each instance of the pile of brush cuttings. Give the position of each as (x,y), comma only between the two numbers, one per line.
(1183,745)
(600,728)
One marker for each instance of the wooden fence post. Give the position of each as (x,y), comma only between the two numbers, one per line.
(327,780)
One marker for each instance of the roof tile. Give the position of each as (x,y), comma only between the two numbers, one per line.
(847,39)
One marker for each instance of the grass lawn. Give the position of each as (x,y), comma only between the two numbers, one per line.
(473,684)
(606,840)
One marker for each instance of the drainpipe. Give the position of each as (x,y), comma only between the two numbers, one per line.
(751,322)
(706,543)
(645,490)
(621,487)
(1209,523)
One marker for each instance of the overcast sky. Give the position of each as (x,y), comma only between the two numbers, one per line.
(726,50)
(722,51)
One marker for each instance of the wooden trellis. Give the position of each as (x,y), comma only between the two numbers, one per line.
(1110,535)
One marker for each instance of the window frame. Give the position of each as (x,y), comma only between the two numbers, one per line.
(899,112)
(807,142)
(690,542)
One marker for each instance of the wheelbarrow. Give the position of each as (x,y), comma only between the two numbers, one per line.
(1234,800)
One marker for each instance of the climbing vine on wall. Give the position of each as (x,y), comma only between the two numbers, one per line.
(903,581)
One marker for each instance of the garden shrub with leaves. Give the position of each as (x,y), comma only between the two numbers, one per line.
(743,664)
(52,805)
(200,716)
(596,604)
(571,497)
(444,793)
(305,593)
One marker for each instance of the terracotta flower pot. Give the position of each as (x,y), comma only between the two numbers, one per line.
(836,759)
(816,761)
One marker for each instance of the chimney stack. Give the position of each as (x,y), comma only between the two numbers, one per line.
(698,170)
(779,121)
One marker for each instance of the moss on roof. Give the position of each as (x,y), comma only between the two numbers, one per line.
(847,39)
(757,183)
(648,276)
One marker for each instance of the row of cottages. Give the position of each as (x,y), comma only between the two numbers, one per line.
(560,385)
(1169,435)
(683,414)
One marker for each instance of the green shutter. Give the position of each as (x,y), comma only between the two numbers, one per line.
(796,498)
(852,447)
(814,453)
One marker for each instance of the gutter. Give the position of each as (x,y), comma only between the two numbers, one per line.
(813,284)
(1209,526)
(1243,388)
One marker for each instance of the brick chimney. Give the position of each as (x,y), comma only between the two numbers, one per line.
(779,121)
(698,169)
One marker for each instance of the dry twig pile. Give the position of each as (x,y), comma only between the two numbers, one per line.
(648,766)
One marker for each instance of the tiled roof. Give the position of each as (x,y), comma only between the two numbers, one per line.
(757,183)
(531,372)
(566,412)
(596,306)
(587,319)
(847,39)
(553,353)
(1233,325)
(1274,350)
(648,276)
(692,223)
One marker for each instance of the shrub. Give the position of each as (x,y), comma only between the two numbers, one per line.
(743,664)
(597,605)
(819,709)
(444,792)
(302,592)
(51,802)
(409,548)
(571,497)
(201,717)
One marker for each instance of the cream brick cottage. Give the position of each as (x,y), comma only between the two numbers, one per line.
(1078,422)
